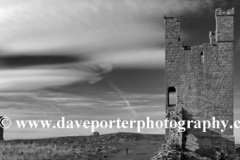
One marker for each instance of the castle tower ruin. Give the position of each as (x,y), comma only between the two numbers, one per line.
(199,84)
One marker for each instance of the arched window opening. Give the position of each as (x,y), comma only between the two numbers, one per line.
(172,96)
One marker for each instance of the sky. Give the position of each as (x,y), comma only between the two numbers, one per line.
(95,59)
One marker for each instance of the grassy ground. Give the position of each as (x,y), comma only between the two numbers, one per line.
(108,147)
(137,150)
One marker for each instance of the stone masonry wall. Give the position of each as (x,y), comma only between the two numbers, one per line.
(203,78)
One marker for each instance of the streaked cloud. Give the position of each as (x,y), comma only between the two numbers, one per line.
(109,34)
(52,106)
(39,78)
(81,26)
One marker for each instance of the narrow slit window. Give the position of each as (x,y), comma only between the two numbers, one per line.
(202,57)
(172,96)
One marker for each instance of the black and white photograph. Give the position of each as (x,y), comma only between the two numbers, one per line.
(119,80)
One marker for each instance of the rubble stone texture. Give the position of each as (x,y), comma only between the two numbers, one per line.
(203,79)
(174,114)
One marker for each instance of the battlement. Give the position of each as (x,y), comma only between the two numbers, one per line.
(171,22)
(224,25)
(166,17)
(224,28)
(212,37)
(229,12)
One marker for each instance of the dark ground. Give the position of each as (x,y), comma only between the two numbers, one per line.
(108,147)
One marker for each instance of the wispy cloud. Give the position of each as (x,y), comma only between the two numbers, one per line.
(108,34)
(82,26)
(123,97)
(39,78)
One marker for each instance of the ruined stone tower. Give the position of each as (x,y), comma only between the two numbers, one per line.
(200,78)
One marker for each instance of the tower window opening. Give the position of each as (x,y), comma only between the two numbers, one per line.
(202,57)
(172,96)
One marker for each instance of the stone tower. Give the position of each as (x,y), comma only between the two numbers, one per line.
(199,84)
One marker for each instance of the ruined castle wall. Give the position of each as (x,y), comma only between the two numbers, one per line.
(203,77)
